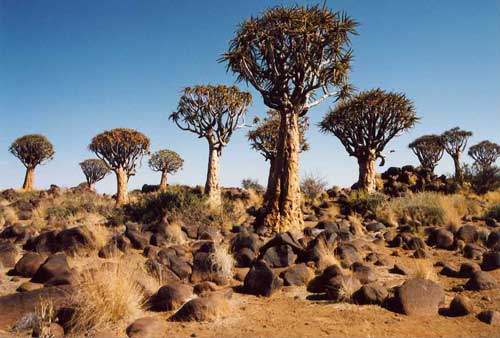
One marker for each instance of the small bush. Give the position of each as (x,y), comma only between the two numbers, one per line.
(312,186)
(222,262)
(366,204)
(482,180)
(251,184)
(494,212)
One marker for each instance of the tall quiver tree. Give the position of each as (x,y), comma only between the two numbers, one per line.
(94,170)
(32,150)
(264,139)
(429,150)
(365,124)
(213,113)
(295,57)
(166,162)
(484,154)
(454,143)
(121,149)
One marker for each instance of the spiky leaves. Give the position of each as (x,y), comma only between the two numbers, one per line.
(484,154)
(212,112)
(429,150)
(32,150)
(264,137)
(121,149)
(167,162)
(295,57)
(454,143)
(94,171)
(366,123)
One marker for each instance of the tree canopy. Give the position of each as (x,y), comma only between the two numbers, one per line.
(366,123)
(32,150)
(120,148)
(165,161)
(485,153)
(429,150)
(455,140)
(94,170)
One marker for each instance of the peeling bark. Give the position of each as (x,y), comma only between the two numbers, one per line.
(29,179)
(163,181)
(367,173)
(212,187)
(122,187)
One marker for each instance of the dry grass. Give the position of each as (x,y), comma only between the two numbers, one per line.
(107,297)
(8,215)
(429,208)
(100,234)
(326,257)
(176,235)
(222,262)
(424,269)
(357,224)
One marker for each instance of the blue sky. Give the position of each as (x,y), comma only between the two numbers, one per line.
(71,69)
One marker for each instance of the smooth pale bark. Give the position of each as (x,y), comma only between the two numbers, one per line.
(163,181)
(121,187)
(29,179)
(459,172)
(367,174)
(212,187)
(290,199)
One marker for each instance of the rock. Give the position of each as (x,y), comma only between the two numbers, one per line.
(44,243)
(203,309)
(493,240)
(75,239)
(375,226)
(245,240)
(245,257)
(491,261)
(481,281)
(29,264)
(489,317)
(468,269)
(420,297)
(203,269)
(171,296)
(29,286)
(8,254)
(340,288)
(318,284)
(372,293)
(16,305)
(56,266)
(138,239)
(460,306)
(421,253)
(261,280)
(297,275)
(279,256)
(468,234)
(442,238)
(204,288)
(176,264)
(16,233)
(400,270)
(363,273)
(147,327)
(52,330)
(348,254)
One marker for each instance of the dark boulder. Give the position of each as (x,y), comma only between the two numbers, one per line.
(460,306)
(372,293)
(171,296)
(297,275)
(491,261)
(8,254)
(54,267)
(29,264)
(261,280)
(420,297)
(481,281)
(280,256)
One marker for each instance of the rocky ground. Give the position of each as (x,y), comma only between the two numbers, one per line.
(344,274)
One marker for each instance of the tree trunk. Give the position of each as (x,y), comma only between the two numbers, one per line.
(212,188)
(91,186)
(270,178)
(272,198)
(367,174)
(459,172)
(122,187)
(290,199)
(163,182)
(29,179)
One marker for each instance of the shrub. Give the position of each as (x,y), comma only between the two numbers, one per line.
(494,212)
(364,203)
(222,262)
(312,186)
(251,184)
(482,180)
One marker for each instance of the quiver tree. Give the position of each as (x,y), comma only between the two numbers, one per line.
(121,149)
(484,154)
(264,139)
(32,150)
(429,150)
(454,143)
(365,124)
(295,58)
(213,113)
(166,162)
(94,171)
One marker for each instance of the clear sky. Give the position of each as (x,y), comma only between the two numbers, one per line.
(71,69)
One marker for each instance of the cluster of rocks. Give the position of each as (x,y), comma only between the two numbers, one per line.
(398,181)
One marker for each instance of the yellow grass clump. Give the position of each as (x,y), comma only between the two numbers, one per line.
(424,269)
(222,262)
